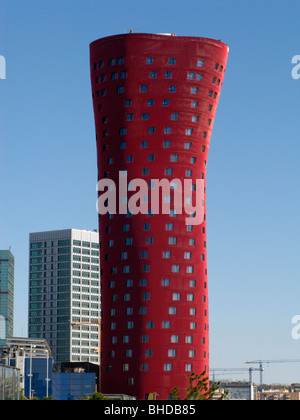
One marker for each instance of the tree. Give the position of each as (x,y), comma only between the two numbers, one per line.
(199,389)
(96,397)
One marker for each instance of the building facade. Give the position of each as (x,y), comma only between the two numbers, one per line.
(7,265)
(155,99)
(64,290)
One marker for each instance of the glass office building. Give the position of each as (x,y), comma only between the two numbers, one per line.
(7,263)
(73,386)
(64,284)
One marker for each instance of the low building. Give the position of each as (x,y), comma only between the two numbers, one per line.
(239,391)
(9,383)
(34,360)
(73,386)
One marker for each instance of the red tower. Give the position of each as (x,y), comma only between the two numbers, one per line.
(155,99)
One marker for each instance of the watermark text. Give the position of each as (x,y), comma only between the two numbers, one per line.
(296,68)
(140,197)
(2,68)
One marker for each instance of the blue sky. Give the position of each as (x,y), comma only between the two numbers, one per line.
(48,154)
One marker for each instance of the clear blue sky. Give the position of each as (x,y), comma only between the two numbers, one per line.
(48,155)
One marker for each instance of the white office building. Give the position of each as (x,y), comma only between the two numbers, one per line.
(64,290)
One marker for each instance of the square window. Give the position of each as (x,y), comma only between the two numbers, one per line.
(172,88)
(151,130)
(166,102)
(188,367)
(174,158)
(200,62)
(153,74)
(129,117)
(143,88)
(168,367)
(168,75)
(172,61)
(150,102)
(166,144)
(165,282)
(169,226)
(145,367)
(151,158)
(150,60)
(168,171)
(129,158)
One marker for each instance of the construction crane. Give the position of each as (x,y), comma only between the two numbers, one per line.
(268,362)
(99,322)
(237,370)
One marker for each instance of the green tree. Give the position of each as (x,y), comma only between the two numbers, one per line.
(96,397)
(199,389)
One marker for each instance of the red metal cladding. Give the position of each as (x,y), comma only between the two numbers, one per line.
(155,99)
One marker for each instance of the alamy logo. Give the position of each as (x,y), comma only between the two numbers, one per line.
(2,67)
(296,69)
(177,196)
(296,328)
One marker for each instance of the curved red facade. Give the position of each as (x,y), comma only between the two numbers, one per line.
(155,99)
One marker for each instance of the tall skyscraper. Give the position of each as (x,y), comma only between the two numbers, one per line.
(7,267)
(64,289)
(155,98)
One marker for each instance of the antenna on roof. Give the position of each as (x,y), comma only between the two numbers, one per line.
(131,30)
